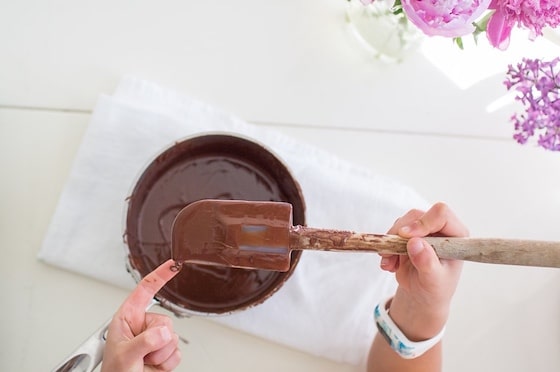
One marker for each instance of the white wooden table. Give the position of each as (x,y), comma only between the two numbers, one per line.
(294,66)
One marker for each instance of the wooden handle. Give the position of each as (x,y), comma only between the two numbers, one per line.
(487,250)
(498,251)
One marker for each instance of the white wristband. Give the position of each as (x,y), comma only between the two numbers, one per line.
(397,340)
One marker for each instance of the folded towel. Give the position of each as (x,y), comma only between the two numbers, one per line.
(325,308)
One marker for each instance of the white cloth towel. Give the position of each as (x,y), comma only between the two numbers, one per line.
(324,309)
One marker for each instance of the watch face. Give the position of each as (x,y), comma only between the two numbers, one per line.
(384,334)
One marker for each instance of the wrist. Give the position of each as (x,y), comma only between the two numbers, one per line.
(397,340)
(418,321)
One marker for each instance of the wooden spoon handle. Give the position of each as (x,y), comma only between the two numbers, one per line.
(499,251)
(487,250)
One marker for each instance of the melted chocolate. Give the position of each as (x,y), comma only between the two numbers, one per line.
(206,167)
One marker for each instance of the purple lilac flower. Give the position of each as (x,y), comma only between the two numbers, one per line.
(537,83)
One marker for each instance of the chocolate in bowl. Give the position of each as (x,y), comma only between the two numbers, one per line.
(212,166)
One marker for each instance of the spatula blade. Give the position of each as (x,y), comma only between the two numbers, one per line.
(234,233)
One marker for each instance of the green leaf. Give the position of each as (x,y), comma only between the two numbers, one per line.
(459,42)
(482,24)
(397,7)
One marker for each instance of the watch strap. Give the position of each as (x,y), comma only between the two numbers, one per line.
(395,337)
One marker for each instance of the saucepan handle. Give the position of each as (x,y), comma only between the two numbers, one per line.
(88,355)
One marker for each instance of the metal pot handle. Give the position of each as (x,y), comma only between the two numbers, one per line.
(88,355)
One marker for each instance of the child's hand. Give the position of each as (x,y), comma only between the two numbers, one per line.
(426,283)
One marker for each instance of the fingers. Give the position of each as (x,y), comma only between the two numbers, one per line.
(162,354)
(158,355)
(129,319)
(172,362)
(390,262)
(423,259)
(147,288)
(158,344)
(150,340)
(422,256)
(438,219)
(405,220)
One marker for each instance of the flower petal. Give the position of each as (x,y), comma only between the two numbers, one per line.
(449,18)
(499,29)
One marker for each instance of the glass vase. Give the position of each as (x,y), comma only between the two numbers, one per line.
(388,36)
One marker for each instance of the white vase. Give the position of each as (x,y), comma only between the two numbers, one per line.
(388,36)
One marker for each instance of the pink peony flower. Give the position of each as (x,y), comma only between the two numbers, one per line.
(531,14)
(449,18)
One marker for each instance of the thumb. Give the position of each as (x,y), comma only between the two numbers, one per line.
(422,255)
(150,340)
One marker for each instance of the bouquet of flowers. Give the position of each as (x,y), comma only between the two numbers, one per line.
(496,18)
(536,82)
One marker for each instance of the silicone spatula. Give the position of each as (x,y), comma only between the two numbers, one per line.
(260,235)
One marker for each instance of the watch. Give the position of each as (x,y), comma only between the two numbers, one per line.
(397,340)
